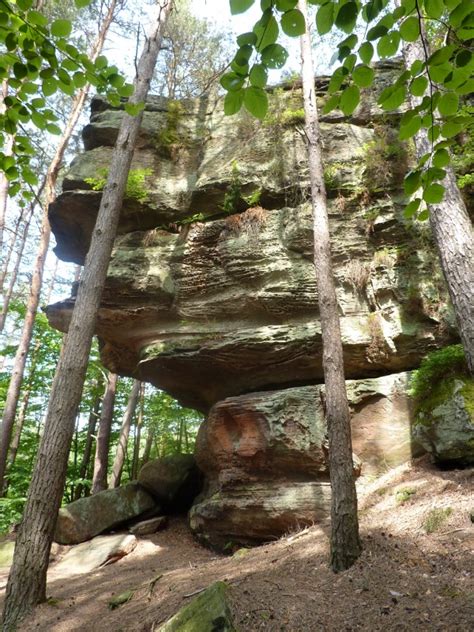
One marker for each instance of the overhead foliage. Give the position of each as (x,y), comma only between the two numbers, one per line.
(441,80)
(37,61)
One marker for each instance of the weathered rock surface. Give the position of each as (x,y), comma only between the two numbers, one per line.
(6,553)
(209,612)
(82,519)
(145,527)
(173,480)
(265,456)
(211,292)
(445,424)
(203,309)
(89,556)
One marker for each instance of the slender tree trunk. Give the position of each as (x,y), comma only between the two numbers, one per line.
(101,461)
(86,455)
(26,396)
(124,434)
(138,434)
(14,387)
(148,445)
(345,543)
(27,580)
(451,227)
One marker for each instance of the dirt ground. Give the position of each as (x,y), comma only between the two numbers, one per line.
(406,579)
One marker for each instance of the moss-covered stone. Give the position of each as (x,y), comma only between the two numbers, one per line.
(208,612)
(445,420)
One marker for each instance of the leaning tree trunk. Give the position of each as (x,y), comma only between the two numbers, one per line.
(124,434)
(101,461)
(451,227)
(27,581)
(13,393)
(345,543)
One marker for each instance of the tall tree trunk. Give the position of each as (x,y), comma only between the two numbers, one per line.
(148,445)
(27,580)
(138,434)
(86,455)
(345,543)
(451,227)
(101,461)
(14,387)
(124,434)
(26,395)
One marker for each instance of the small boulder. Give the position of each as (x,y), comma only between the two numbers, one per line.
(84,518)
(173,480)
(89,556)
(208,612)
(145,527)
(445,422)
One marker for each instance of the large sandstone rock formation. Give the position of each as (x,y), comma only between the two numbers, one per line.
(211,289)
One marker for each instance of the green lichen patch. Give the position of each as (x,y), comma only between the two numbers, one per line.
(135,188)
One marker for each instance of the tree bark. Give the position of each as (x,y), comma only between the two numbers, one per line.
(13,393)
(124,434)
(148,445)
(101,461)
(86,455)
(451,228)
(345,543)
(27,581)
(138,435)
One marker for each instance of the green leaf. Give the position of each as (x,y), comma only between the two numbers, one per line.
(346,16)
(37,18)
(126,90)
(240,6)
(363,75)
(416,67)
(349,99)
(418,86)
(133,109)
(286,5)
(412,182)
(49,87)
(388,44)
(258,76)
(233,102)
(247,39)
(376,31)
(410,128)
(53,129)
(434,8)
(441,55)
(274,56)
(412,208)
(451,128)
(61,28)
(325,18)
(441,158)
(267,33)
(80,4)
(256,101)
(433,194)
(337,78)
(423,216)
(448,104)
(331,104)
(392,97)
(366,52)
(232,81)
(410,29)
(293,23)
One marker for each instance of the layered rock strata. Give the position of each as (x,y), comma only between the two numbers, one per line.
(211,288)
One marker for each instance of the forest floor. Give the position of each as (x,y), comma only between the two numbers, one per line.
(406,578)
